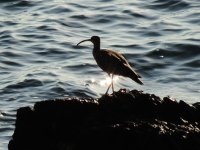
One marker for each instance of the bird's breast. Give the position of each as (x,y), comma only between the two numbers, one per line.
(105,62)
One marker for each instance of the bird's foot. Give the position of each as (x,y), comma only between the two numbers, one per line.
(110,95)
(114,95)
(106,95)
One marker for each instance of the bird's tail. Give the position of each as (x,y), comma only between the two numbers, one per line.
(136,79)
(133,75)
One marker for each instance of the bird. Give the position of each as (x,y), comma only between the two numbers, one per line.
(112,62)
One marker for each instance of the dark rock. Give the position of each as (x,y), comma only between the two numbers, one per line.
(123,121)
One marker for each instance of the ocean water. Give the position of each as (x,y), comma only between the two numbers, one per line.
(39,59)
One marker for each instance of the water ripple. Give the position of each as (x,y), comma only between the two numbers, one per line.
(9,54)
(193,64)
(139,15)
(25,84)
(12,63)
(170,5)
(58,10)
(186,50)
(18,5)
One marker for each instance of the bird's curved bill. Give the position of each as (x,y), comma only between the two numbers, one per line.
(83,41)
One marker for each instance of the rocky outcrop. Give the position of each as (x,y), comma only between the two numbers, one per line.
(127,120)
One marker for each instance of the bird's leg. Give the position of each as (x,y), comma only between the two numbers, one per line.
(108,87)
(112,83)
(113,86)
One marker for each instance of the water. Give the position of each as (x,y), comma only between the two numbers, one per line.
(39,59)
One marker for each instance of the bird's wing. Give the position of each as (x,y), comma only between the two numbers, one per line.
(117,55)
(118,59)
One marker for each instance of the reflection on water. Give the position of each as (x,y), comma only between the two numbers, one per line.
(103,82)
(108,81)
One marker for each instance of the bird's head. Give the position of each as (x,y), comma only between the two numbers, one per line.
(94,39)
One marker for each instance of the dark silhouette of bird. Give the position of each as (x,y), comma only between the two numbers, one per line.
(112,62)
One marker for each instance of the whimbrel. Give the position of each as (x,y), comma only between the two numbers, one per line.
(112,62)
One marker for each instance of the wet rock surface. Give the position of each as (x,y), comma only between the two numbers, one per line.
(127,120)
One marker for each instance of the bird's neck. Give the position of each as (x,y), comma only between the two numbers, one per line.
(97,47)
(96,50)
